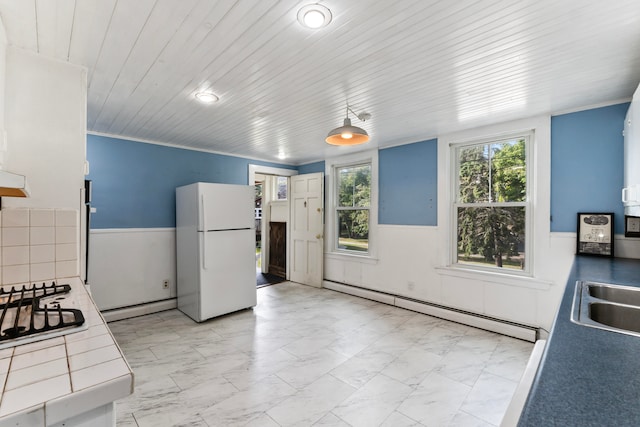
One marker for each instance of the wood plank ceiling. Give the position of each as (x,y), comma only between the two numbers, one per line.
(420,68)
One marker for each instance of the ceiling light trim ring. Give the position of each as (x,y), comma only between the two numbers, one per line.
(206,97)
(307,15)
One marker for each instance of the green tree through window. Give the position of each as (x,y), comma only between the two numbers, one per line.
(354,200)
(491,204)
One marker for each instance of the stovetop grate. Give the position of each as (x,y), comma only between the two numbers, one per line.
(23,315)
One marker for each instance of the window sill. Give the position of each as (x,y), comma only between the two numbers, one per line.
(367,259)
(500,278)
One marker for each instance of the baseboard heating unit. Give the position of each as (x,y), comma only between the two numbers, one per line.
(516,330)
(138,310)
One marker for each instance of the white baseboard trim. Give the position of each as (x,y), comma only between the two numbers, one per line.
(139,310)
(359,292)
(523,332)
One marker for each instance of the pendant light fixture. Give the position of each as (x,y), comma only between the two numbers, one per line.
(348,134)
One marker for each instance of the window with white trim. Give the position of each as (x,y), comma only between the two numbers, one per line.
(282,187)
(491,207)
(352,205)
(353,202)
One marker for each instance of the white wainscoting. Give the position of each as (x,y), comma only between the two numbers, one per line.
(408,266)
(127,266)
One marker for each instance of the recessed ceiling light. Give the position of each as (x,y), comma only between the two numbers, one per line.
(314,16)
(206,97)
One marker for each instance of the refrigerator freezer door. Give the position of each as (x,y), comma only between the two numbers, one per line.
(228,283)
(225,206)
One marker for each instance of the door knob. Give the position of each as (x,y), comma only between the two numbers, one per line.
(318,236)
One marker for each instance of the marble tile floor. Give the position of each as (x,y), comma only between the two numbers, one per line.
(314,357)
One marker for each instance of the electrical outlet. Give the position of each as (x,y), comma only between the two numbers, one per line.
(165,284)
(411,285)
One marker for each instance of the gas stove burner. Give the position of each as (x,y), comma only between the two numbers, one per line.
(32,309)
(26,293)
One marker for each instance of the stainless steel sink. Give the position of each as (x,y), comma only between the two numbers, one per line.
(607,306)
(617,316)
(615,293)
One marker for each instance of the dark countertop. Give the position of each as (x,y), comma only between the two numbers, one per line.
(587,376)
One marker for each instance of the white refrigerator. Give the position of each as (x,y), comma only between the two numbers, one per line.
(215,249)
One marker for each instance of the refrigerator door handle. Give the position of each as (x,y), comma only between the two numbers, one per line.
(202,214)
(204,231)
(204,250)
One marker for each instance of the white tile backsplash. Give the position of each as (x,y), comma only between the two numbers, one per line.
(66,218)
(66,268)
(66,252)
(15,255)
(42,235)
(42,218)
(15,274)
(66,234)
(42,271)
(38,244)
(15,236)
(15,218)
(42,253)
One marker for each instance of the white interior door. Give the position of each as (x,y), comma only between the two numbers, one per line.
(307,228)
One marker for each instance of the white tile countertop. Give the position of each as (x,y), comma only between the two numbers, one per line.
(53,380)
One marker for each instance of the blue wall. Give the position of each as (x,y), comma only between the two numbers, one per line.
(311,168)
(133,183)
(587,165)
(408,184)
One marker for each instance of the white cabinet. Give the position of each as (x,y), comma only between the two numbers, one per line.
(631,190)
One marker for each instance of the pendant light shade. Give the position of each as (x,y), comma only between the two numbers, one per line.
(348,134)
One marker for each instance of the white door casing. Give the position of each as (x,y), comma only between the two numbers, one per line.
(266,214)
(307,229)
(265,224)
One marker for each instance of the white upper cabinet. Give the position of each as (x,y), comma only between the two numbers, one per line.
(631,190)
